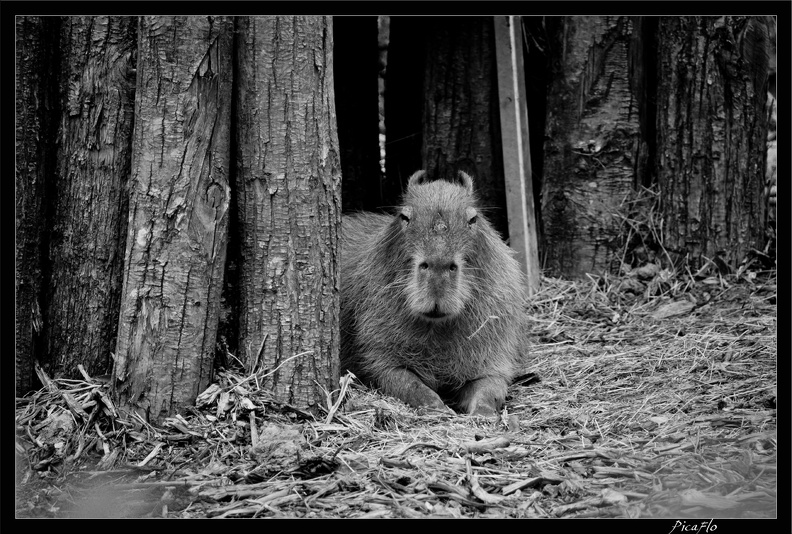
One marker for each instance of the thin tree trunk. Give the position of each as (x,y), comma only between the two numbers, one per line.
(461,123)
(355,60)
(91,201)
(592,144)
(288,185)
(712,129)
(537,72)
(36,106)
(404,103)
(179,199)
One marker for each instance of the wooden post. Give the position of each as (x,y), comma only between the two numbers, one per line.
(516,149)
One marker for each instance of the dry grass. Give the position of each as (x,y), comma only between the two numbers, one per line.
(654,399)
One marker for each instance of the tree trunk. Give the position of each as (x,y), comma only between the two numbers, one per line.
(36,106)
(90,204)
(536,61)
(712,130)
(287,181)
(179,199)
(404,103)
(461,122)
(592,145)
(355,61)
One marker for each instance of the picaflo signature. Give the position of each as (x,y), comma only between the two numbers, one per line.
(700,527)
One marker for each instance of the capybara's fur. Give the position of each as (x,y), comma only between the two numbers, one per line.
(431,300)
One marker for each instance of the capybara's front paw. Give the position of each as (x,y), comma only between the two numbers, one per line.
(420,396)
(483,397)
(485,407)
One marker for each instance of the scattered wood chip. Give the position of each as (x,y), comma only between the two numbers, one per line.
(485,445)
(694,497)
(673,309)
(481,494)
(279,446)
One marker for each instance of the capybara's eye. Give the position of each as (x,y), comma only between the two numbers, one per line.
(453,267)
(423,265)
(405,214)
(472,215)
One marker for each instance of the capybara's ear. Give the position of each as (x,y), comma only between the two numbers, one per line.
(467,181)
(417,178)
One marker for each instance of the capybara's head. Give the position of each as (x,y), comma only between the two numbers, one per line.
(439,220)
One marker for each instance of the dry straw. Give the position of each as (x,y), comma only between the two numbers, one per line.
(644,407)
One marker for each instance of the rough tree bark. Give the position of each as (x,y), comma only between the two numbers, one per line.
(36,106)
(90,205)
(355,59)
(592,143)
(461,121)
(288,185)
(179,199)
(712,129)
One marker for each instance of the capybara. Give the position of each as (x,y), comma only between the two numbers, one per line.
(431,300)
